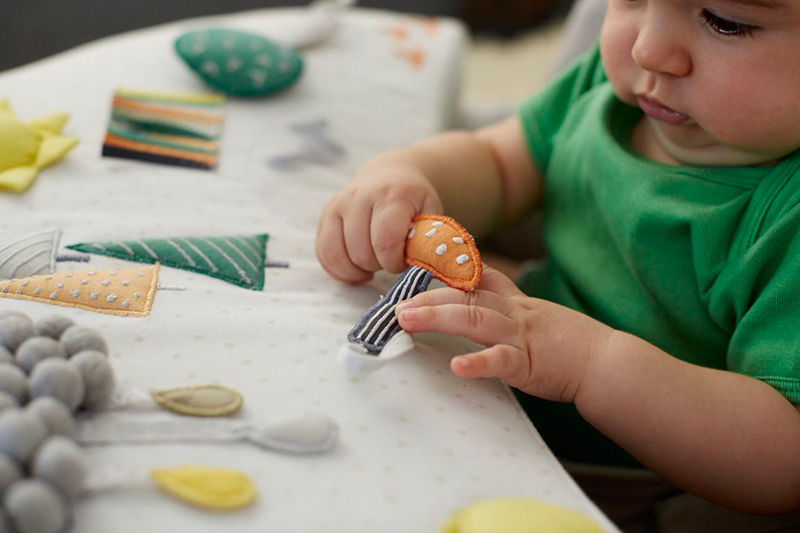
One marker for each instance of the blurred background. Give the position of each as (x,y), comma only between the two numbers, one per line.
(508,57)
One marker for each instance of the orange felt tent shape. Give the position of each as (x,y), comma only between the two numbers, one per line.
(123,291)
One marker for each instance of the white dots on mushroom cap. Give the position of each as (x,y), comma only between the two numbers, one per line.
(441,249)
(461,259)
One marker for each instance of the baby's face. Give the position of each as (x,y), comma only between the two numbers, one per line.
(718,80)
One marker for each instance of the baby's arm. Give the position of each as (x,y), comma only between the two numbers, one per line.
(726,437)
(481,179)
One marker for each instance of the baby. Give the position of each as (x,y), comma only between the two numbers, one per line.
(665,331)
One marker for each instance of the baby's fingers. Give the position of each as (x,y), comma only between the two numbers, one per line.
(332,252)
(479,324)
(500,361)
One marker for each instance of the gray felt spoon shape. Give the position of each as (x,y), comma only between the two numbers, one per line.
(303,434)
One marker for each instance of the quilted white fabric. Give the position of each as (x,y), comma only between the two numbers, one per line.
(416,443)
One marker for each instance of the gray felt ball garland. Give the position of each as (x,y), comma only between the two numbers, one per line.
(53,370)
(48,370)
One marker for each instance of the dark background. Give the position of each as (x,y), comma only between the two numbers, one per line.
(33,29)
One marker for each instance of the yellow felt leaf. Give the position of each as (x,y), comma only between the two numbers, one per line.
(519,516)
(211,488)
(54,148)
(17,179)
(202,400)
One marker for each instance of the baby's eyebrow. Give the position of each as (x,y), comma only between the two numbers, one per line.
(767,4)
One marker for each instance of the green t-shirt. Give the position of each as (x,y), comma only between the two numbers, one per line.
(703,262)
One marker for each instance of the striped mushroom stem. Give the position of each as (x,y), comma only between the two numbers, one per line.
(379,324)
(437,247)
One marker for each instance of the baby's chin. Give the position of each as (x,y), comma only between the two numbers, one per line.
(710,152)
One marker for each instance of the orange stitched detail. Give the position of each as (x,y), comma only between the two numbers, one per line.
(124,103)
(443,247)
(118,142)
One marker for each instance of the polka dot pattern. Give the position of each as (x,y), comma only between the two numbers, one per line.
(402,451)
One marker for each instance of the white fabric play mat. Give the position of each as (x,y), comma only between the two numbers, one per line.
(416,444)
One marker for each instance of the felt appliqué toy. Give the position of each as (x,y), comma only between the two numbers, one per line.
(123,292)
(54,368)
(32,254)
(519,515)
(239,63)
(317,148)
(28,147)
(181,129)
(436,247)
(237,259)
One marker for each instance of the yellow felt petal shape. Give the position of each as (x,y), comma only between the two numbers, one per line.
(53,124)
(211,488)
(17,179)
(203,400)
(18,142)
(122,291)
(54,148)
(519,516)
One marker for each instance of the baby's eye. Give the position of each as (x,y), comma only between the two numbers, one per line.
(726,26)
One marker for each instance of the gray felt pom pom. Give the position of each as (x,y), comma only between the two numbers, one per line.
(20,434)
(14,329)
(34,506)
(53,326)
(98,377)
(6,356)
(61,462)
(77,338)
(12,381)
(37,349)
(54,415)
(6,313)
(10,472)
(59,379)
(7,401)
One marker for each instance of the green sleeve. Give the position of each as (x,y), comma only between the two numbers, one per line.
(766,340)
(542,115)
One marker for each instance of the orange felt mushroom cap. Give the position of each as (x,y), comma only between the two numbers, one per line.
(442,246)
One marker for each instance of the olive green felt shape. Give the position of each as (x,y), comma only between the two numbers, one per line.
(239,63)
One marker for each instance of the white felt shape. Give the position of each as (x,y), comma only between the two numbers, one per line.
(61,462)
(29,255)
(306,433)
(34,506)
(14,330)
(358,361)
(20,434)
(319,24)
(54,415)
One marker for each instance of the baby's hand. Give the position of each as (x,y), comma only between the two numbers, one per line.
(539,347)
(363,228)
